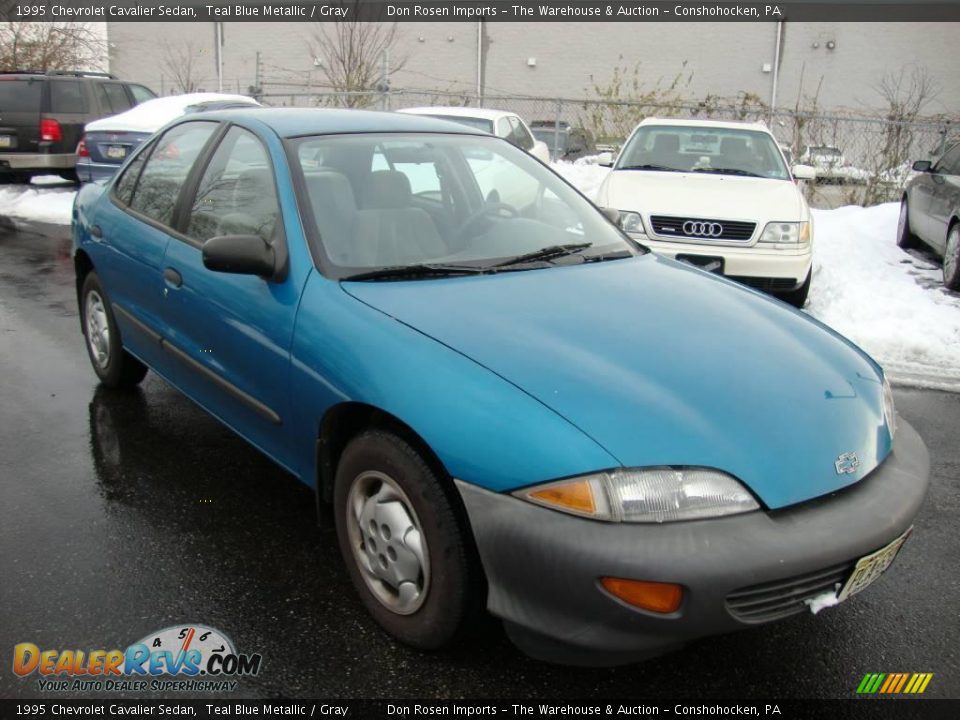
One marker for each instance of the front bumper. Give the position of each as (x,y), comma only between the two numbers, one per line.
(754,261)
(543,567)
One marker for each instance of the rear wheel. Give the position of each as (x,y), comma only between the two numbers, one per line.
(905,237)
(115,367)
(405,548)
(951,258)
(798,297)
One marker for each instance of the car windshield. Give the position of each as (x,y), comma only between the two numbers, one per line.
(722,151)
(824,151)
(436,204)
(471,122)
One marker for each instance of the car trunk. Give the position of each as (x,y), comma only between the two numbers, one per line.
(112,147)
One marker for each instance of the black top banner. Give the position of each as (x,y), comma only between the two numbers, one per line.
(474,10)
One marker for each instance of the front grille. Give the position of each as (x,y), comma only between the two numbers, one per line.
(672,227)
(780,598)
(768,284)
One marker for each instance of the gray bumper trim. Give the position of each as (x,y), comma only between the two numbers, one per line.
(17,162)
(543,566)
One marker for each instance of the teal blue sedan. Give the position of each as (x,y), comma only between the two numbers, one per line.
(509,404)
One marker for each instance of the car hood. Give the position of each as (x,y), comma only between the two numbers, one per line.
(724,197)
(663,364)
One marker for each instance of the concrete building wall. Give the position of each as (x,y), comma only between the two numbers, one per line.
(722,59)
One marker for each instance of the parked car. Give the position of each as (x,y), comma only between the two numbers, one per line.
(506,125)
(564,141)
(516,407)
(107,142)
(42,116)
(930,212)
(718,195)
(828,162)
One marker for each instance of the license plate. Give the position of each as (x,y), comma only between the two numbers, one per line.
(872,566)
(116,152)
(5,141)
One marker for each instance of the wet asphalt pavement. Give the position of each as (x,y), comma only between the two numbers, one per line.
(124,514)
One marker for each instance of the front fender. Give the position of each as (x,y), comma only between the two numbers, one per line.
(484,430)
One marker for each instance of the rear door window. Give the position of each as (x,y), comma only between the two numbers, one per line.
(20,96)
(165,173)
(141,93)
(113,98)
(66,96)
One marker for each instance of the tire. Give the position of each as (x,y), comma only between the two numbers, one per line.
(951,258)
(798,297)
(905,237)
(16,178)
(115,367)
(398,527)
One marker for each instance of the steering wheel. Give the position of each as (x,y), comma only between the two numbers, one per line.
(498,210)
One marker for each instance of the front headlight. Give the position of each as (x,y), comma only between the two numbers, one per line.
(631,222)
(793,233)
(889,412)
(658,494)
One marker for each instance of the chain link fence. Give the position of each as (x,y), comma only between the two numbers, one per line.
(859,159)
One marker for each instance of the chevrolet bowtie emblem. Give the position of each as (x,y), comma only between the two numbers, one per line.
(846,463)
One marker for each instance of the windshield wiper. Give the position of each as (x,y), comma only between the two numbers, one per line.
(661,168)
(547,253)
(728,171)
(414,272)
(615,255)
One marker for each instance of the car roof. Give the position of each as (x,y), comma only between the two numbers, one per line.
(295,122)
(457,111)
(722,124)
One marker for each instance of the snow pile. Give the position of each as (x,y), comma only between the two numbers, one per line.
(40,205)
(891,303)
(152,115)
(583,173)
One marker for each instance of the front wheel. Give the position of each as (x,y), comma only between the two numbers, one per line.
(115,367)
(951,258)
(405,548)
(905,237)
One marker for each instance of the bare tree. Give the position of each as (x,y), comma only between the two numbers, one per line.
(354,56)
(181,62)
(50,46)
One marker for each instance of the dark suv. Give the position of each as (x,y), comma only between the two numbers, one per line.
(42,117)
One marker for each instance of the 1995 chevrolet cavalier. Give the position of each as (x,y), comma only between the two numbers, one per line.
(507,404)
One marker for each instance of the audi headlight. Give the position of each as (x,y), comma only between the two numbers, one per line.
(889,412)
(631,222)
(792,233)
(645,495)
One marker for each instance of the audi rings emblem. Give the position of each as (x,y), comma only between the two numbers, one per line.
(699,228)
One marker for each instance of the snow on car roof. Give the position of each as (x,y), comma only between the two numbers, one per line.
(152,115)
(457,111)
(728,124)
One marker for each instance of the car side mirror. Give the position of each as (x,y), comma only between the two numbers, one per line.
(605,159)
(240,254)
(804,172)
(922,166)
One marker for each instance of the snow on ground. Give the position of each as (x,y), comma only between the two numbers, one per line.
(36,203)
(891,303)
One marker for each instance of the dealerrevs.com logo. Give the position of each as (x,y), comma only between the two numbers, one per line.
(187,658)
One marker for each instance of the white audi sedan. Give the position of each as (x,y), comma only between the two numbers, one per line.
(719,195)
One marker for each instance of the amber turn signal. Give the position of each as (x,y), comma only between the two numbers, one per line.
(576,496)
(654,596)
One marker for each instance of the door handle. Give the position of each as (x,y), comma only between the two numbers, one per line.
(172,277)
(96,231)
